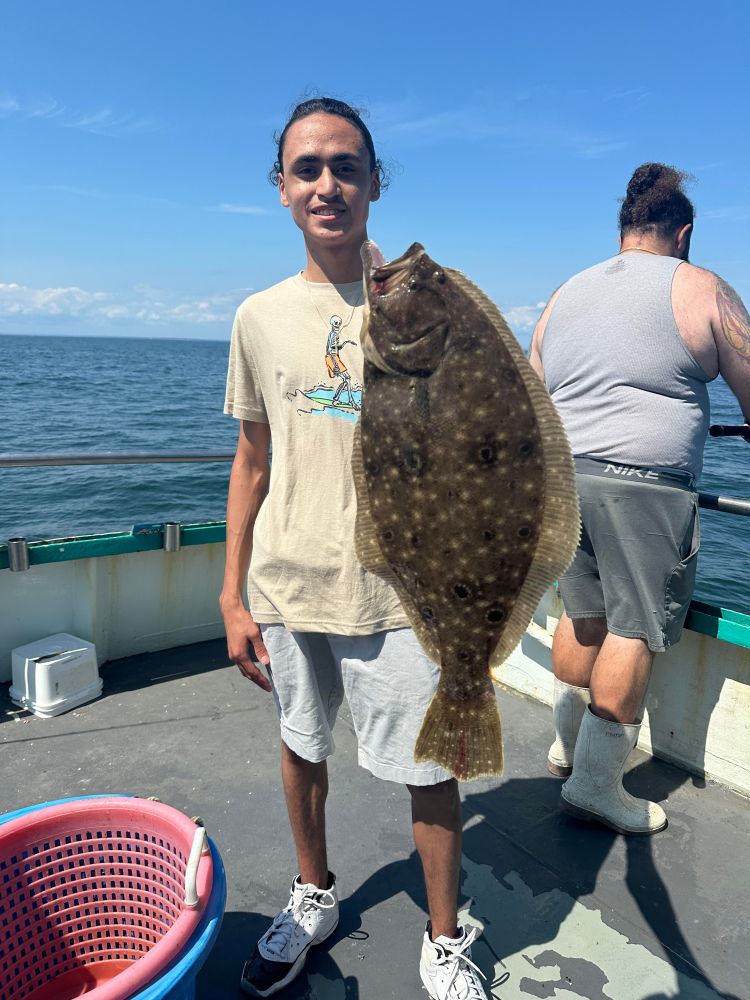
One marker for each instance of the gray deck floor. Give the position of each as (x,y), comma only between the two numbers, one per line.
(568,910)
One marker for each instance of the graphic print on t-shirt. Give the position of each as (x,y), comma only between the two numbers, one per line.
(343,398)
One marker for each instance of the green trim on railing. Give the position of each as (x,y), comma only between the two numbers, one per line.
(721,623)
(143,538)
(708,619)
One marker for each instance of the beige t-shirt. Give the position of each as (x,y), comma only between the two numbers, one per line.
(296,364)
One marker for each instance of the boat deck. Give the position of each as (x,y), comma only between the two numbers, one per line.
(568,910)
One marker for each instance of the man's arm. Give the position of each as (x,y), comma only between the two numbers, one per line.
(731,329)
(535,356)
(248,485)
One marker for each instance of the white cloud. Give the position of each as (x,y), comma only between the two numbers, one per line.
(100,121)
(597,149)
(522,319)
(140,305)
(730,213)
(108,122)
(235,209)
(19,300)
(516,122)
(46,108)
(8,105)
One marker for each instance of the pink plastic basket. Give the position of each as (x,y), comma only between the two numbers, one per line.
(97,897)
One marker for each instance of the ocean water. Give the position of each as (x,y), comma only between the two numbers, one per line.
(107,394)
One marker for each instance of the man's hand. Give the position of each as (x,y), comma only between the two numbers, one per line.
(242,635)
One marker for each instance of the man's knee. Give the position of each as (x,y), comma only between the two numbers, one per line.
(439,803)
(301,763)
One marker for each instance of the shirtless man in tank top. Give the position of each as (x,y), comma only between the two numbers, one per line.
(626,349)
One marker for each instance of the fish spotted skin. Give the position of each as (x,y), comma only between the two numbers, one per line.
(465,488)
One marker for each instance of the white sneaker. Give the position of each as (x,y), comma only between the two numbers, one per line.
(311,916)
(447,970)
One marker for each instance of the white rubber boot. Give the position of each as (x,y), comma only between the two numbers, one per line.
(568,705)
(594,791)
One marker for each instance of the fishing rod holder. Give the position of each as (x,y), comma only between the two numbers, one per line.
(172,536)
(18,555)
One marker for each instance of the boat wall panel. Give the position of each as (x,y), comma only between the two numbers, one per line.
(698,709)
(698,706)
(125,604)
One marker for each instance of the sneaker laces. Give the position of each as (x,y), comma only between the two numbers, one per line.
(279,934)
(457,955)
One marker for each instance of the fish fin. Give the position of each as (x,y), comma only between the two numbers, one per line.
(463,738)
(561,524)
(369,553)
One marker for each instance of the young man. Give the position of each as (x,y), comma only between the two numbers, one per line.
(626,349)
(320,624)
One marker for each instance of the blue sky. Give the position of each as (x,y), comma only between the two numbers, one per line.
(135,140)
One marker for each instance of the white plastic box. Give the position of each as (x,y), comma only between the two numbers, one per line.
(55,674)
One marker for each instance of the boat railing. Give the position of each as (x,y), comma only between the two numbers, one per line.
(21,460)
(18,552)
(10,460)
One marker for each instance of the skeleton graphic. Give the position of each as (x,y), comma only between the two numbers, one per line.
(336,367)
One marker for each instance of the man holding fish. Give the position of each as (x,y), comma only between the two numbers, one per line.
(626,349)
(319,623)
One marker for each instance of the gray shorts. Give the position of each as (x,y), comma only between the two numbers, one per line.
(388,681)
(636,561)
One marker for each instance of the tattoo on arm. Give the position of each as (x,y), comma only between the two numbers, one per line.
(735,322)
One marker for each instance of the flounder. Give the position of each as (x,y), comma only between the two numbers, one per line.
(466,495)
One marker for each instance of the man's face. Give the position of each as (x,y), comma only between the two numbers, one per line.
(327,181)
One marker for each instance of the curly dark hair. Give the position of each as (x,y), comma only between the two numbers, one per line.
(326,106)
(655,201)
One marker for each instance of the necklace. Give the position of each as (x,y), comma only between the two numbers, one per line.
(642,249)
(327,322)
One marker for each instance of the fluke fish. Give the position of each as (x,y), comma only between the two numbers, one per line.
(466,497)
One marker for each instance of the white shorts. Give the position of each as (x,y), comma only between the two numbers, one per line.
(388,681)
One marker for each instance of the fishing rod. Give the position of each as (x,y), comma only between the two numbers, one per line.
(730,430)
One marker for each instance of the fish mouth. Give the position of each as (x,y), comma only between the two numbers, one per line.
(381,276)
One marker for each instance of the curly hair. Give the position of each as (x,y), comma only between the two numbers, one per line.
(655,200)
(326,106)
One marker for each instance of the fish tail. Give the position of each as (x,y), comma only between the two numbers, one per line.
(463,737)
